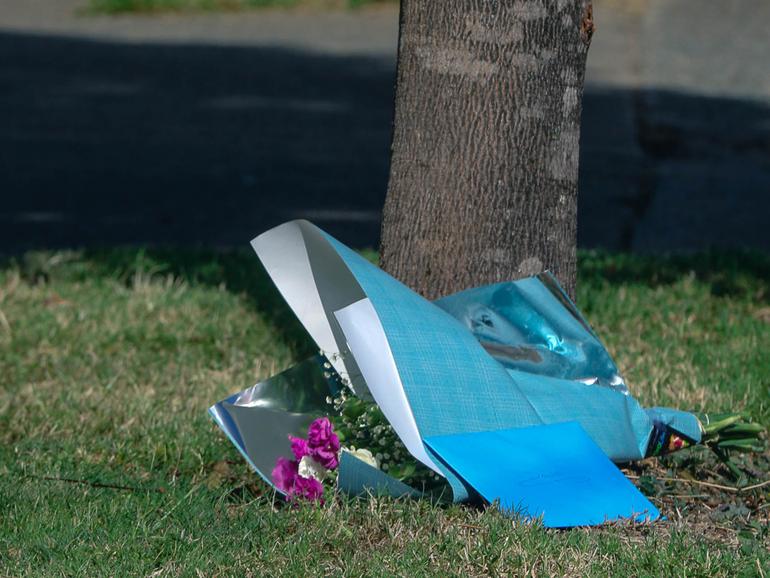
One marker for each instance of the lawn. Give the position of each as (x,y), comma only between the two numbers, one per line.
(109,464)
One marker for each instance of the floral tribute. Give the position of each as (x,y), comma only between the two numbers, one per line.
(363,423)
(351,420)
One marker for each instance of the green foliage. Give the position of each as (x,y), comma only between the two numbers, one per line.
(362,425)
(109,464)
(728,431)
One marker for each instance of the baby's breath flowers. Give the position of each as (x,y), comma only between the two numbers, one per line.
(357,426)
(361,425)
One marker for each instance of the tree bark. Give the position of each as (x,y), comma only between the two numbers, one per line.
(484,166)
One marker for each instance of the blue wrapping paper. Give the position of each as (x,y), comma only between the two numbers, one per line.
(553,472)
(490,359)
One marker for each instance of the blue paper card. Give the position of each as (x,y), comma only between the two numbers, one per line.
(554,471)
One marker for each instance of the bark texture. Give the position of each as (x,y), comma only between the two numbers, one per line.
(484,167)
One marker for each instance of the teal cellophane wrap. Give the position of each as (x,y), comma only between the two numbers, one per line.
(616,422)
(680,421)
(557,473)
(534,329)
(531,325)
(357,478)
(508,355)
(453,385)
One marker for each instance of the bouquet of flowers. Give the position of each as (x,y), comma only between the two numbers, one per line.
(359,429)
(410,397)
(314,459)
(372,439)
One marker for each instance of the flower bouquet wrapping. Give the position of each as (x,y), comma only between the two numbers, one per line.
(411,397)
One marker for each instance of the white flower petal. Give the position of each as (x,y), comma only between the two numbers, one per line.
(364,455)
(309,468)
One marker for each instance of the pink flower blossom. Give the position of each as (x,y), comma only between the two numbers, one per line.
(285,475)
(286,479)
(299,447)
(324,443)
(319,432)
(308,488)
(322,449)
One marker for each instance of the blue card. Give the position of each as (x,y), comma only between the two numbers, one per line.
(554,471)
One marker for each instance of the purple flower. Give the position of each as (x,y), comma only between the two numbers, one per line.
(319,432)
(321,448)
(323,443)
(308,488)
(328,456)
(299,447)
(287,479)
(285,475)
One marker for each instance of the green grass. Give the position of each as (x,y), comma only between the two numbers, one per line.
(109,464)
(128,6)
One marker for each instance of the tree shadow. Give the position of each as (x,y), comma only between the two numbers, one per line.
(104,143)
(664,171)
(109,144)
(728,273)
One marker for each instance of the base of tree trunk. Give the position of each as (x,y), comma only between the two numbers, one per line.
(484,168)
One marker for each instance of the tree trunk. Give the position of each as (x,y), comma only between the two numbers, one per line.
(484,167)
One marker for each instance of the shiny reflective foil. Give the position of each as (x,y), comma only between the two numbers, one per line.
(531,325)
(258,420)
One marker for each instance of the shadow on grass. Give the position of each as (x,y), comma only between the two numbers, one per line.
(729,273)
(742,274)
(239,271)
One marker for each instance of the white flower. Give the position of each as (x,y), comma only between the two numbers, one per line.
(309,468)
(364,455)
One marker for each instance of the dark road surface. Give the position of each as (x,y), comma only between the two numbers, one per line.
(111,142)
(105,143)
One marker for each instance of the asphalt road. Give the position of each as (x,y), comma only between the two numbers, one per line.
(204,130)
